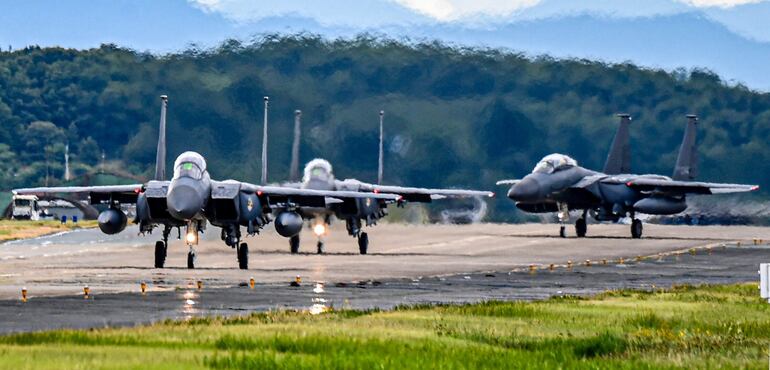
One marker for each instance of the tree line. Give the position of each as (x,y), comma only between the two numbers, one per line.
(454,116)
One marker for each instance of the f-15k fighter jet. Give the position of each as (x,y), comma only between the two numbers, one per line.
(192,198)
(558,184)
(355,212)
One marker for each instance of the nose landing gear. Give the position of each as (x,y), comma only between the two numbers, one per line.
(191,258)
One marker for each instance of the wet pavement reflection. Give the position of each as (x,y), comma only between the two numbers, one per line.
(188,299)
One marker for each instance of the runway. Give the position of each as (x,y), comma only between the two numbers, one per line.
(407,265)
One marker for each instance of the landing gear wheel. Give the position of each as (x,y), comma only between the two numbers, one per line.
(636,229)
(320,247)
(563,231)
(160,254)
(294,244)
(243,256)
(363,243)
(581,228)
(190,260)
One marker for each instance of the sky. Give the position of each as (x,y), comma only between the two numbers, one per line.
(609,30)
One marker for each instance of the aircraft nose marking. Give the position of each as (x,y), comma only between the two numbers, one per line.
(527,189)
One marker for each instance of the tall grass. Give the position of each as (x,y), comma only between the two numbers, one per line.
(685,327)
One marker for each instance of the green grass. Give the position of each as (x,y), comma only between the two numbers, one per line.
(684,327)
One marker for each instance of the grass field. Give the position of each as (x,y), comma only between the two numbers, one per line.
(17,229)
(684,327)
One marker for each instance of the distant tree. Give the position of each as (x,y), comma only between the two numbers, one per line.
(8,167)
(89,152)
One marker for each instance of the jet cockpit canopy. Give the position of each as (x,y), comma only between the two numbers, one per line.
(553,163)
(189,164)
(318,170)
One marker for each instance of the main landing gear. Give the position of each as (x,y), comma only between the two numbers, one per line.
(354,229)
(231,234)
(294,244)
(243,256)
(636,228)
(581,227)
(363,243)
(161,248)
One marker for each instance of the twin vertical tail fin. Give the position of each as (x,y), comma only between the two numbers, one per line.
(294,168)
(619,158)
(263,179)
(380,158)
(160,159)
(687,162)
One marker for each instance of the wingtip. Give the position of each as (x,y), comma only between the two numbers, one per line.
(755,188)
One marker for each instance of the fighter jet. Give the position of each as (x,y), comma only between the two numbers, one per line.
(192,198)
(559,184)
(355,212)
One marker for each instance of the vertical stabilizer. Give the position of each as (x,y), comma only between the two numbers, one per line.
(687,162)
(263,180)
(380,163)
(619,158)
(294,168)
(160,159)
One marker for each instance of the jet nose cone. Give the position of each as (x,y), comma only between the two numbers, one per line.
(526,190)
(184,202)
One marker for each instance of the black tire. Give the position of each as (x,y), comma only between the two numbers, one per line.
(563,231)
(294,244)
(160,254)
(243,256)
(363,243)
(581,228)
(190,260)
(320,247)
(636,229)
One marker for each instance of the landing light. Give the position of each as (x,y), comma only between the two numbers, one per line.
(319,229)
(191,238)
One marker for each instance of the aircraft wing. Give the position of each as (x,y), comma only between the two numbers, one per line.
(310,197)
(508,182)
(423,194)
(120,193)
(688,187)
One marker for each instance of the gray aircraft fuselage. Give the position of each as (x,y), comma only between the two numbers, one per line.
(189,190)
(542,191)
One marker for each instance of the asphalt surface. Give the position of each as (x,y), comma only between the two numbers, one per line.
(408,265)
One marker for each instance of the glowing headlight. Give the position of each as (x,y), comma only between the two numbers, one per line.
(319,229)
(192,238)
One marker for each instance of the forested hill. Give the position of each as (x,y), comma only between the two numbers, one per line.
(454,117)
